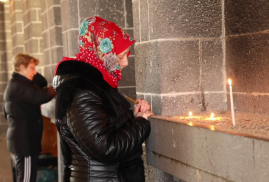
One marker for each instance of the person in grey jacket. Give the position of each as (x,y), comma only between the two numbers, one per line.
(22,100)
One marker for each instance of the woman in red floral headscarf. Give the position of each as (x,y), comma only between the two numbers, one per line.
(101,138)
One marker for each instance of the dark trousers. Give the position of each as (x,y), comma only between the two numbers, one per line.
(26,168)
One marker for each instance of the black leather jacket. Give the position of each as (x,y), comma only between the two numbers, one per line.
(100,138)
(22,100)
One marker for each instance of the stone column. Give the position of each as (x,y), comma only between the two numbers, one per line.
(32,30)
(17,26)
(52,37)
(179,59)
(3,67)
(247,32)
(179,50)
(118,11)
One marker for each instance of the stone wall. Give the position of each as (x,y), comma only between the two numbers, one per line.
(52,37)
(3,65)
(179,50)
(247,55)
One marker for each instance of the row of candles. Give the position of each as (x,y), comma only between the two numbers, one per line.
(232,107)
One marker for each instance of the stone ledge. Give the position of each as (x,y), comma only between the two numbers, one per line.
(199,154)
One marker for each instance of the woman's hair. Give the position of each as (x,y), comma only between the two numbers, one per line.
(23,59)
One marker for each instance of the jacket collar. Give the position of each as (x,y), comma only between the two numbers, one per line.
(21,77)
(73,68)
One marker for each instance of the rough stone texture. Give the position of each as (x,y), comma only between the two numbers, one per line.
(181,150)
(214,102)
(178,104)
(49,73)
(107,9)
(136,20)
(69,15)
(212,66)
(247,65)
(128,74)
(144,21)
(129,14)
(169,66)
(56,55)
(184,19)
(247,17)
(250,103)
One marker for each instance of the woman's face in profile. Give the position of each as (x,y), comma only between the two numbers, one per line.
(123,58)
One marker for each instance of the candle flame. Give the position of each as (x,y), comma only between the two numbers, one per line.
(230,82)
(212,127)
(190,123)
(212,115)
(190,114)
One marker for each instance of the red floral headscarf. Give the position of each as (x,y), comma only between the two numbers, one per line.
(100,41)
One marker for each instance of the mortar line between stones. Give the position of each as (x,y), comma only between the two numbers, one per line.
(224,49)
(180,93)
(78,13)
(139,21)
(182,163)
(178,39)
(148,19)
(247,34)
(125,13)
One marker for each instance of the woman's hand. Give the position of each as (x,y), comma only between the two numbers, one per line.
(142,109)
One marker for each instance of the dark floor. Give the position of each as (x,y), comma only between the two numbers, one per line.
(5,167)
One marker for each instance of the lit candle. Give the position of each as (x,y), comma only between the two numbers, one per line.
(232,102)
(190,114)
(212,115)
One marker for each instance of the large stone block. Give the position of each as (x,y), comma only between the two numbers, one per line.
(3,67)
(46,39)
(31,4)
(53,2)
(144,21)
(54,16)
(185,19)
(45,22)
(107,9)
(72,38)
(1,98)
(18,40)
(136,20)
(30,15)
(33,46)
(247,60)
(3,126)
(3,77)
(18,49)
(69,14)
(182,150)
(176,104)
(212,66)
(49,74)
(56,37)
(214,101)
(3,87)
(256,103)
(33,30)
(56,55)
(129,14)
(246,17)
(128,74)
(167,66)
